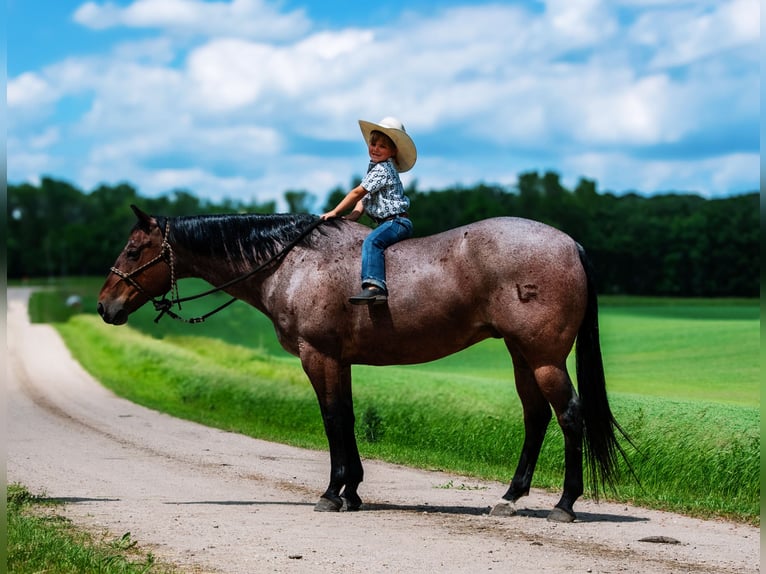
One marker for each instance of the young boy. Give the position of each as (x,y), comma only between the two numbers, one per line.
(381,195)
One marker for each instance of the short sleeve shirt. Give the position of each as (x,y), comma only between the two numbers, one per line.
(385,192)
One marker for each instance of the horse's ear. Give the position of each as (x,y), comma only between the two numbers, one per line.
(143,218)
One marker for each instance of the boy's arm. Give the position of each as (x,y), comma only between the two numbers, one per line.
(358,211)
(353,198)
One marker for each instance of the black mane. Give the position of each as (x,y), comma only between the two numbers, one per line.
(245,240)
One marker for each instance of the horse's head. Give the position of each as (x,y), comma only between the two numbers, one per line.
(141,273)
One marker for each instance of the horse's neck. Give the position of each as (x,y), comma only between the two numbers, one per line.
(218,272)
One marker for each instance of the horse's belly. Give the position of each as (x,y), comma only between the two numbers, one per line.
(405,349)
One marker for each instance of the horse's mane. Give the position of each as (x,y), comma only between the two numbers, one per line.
(244,240)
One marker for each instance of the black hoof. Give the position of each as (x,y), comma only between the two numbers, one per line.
(561,515)
(503,508)
(328,505)
(351,503)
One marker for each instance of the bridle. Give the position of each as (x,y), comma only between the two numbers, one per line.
(166,255)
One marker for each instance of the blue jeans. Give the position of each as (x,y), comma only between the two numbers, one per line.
(374,246)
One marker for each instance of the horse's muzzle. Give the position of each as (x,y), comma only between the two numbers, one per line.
(112,316)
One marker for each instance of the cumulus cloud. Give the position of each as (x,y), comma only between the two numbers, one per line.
(258,100)
(29,90)
(682,35)
(232,73)
(627,173)
(246,18)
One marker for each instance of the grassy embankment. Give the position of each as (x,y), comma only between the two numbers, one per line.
(41,540)
(683,378)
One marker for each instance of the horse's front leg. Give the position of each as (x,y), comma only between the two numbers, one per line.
(332,384)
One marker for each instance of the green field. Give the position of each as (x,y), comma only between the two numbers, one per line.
(683,378)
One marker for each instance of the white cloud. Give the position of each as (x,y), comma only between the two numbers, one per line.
(27,160)
(582,22)
(159,51)
(721,174)
(46,138)
(216,144)
(628,111)
(680,36)
(230,73)
(245,18)
(29,90)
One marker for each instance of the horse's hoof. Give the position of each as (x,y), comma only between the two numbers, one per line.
(351,504)
(503,508)
(327,505)
(561,515)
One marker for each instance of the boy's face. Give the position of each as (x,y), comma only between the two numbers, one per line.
(381,148)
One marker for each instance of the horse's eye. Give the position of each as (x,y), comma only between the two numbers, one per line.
(132,254)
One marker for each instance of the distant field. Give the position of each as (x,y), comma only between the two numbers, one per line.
(683,378)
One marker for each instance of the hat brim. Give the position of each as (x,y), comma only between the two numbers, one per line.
(406,152)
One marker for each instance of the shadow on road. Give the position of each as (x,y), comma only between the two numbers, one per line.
(426,509)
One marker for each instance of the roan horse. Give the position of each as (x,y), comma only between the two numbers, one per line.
(509,278)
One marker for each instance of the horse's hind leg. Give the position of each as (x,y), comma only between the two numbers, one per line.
(539,389)
(556,386)
(537,415)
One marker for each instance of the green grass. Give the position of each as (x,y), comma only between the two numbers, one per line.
(706,358)
(683,377)
(40,540)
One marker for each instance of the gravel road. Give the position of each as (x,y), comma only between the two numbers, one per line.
(212,501)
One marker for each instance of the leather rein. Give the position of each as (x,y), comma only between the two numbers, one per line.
(166,255)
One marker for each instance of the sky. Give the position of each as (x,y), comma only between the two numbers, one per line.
(246,99)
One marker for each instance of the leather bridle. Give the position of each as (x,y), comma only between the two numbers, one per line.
(165,255)
(164,305)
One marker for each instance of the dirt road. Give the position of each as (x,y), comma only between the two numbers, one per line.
(212,501)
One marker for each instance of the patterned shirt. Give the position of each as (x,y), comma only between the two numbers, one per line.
(385,192)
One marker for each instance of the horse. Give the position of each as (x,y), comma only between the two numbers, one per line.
(510,278)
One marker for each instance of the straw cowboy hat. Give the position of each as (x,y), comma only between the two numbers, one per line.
(406,154)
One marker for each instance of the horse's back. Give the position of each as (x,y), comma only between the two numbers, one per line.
(468,263)
(504,247)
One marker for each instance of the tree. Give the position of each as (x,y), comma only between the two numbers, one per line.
(299,201)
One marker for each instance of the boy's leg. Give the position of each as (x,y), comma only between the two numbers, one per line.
(374,246)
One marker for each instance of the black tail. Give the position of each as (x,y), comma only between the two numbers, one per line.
(601,444)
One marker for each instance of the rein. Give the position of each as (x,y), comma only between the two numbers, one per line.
(165,305)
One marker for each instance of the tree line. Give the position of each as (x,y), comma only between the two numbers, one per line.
(670,244)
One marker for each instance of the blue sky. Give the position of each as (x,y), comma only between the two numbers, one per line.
(249,98)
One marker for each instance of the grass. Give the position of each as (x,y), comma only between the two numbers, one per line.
(683,378)
(41,540)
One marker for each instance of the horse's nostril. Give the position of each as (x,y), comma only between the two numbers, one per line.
(101,309)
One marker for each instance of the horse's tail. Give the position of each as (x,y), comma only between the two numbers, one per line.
(601,444)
